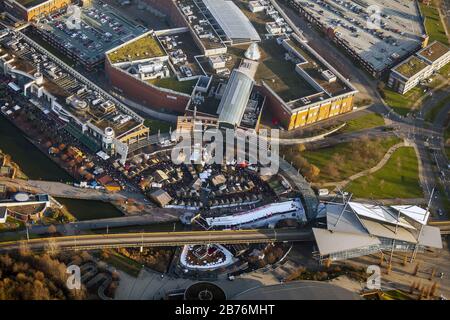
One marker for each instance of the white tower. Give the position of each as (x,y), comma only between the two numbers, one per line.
(253,52)
(108,139)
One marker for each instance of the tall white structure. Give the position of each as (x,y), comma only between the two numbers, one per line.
(253,52)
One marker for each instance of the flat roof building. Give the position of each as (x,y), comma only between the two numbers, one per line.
(161,197)
(28,10)
(377,46)
(95,118)
(408,74)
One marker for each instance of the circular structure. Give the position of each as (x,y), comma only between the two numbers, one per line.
(21,197)
(39,78)
(79,105)
(109,132)
(204,291)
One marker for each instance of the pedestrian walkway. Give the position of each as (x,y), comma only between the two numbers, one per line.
(340,185)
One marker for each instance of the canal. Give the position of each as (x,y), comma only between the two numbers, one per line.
(38,166)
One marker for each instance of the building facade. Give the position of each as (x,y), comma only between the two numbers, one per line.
(29,10)
(419,67)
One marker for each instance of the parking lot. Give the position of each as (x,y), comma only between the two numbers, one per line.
(380,31)
(101,29)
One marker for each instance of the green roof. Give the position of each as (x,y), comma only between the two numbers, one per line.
(142,48)
(411,67)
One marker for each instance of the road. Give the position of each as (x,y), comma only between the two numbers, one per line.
(159,239)
(298,290)
(445,10)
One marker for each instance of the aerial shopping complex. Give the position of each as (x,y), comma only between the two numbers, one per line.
(225,149)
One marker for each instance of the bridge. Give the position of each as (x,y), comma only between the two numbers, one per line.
(443,225)
(159,239)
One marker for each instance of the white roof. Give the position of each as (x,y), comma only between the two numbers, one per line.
(414,212)
(14,86)
(232,20)
(331,242)
(256,214)
(431,237)
(348,220)
(379,213)
(386,230)
(103,155)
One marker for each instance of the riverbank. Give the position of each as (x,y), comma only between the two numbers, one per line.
(37,165)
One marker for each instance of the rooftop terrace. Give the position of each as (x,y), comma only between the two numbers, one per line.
(411,67)
(142,48)
(200,24)
(434,51)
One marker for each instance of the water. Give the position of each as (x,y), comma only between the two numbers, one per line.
(38,166)
(90,210)
(32,161)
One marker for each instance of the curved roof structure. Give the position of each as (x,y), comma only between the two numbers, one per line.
(232,20)
(235,98)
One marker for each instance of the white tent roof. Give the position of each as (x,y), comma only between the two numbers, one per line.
(346,221)
(387,230)
(232,20)
(378,213)
(331,242)
(414,212)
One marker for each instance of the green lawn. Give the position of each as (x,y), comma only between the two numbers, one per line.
(402,104)
(433,24)
(399,178)
(156,125)
(175,85)
(431,115)
(124,263)
(345,159)
(143,48)
(367,121)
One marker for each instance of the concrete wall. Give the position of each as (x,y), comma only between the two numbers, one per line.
(144,93)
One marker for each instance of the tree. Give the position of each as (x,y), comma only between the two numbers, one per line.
(313,172)
(332,170)
(301,147)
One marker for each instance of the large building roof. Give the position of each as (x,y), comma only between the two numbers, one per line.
(332,242)
(232,20)
(414,212)
(360,226)
(343,221)
(379,213)
(386,230)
